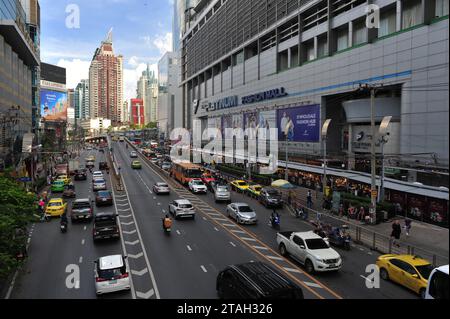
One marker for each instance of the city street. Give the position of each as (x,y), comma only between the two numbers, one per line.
(186,264)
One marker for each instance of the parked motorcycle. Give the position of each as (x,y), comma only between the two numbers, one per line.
(340,237)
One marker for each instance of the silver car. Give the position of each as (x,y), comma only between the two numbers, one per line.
(99,184)
(222,193)
(242,213)
(161,188)
(182,208)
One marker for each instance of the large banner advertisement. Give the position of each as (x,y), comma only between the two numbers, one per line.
(251,120)
(53,105)
(215,122)
(304,124)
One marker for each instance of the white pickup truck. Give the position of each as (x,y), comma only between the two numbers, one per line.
(310,250)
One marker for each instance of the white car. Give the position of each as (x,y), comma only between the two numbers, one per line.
(310,250)
(197,186)
(161,188)
(133,154)
(97,174)
(111,274)
(182,208)
(242,213)
(99,184)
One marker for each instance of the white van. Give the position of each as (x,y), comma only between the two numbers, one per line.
(438,287)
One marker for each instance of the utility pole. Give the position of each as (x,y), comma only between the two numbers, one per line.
(325,128)
(374,193)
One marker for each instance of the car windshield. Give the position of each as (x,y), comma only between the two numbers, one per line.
(58,183)
(222,189)
(245,209)
(425,270)
(55,204)
(103,194)
(273,193)
(111,273)
(99,181)
(242,184)
(317,243)
(199,183)
(81,205)
(194,173)
(163,185)
(185,206)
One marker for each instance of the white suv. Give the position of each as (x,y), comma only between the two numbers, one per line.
(97,175)
(111,274)
(182,208)
(197,186)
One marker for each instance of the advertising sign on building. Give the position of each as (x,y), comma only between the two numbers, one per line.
(53,105)
(303,123)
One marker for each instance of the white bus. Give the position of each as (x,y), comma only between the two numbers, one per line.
(438,287)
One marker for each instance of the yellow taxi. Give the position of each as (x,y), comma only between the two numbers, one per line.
(56,207)
(239,185)
(90,158)
(64,178)
(254,191)
(409,271)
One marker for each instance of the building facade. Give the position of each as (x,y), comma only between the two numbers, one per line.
(270,61)
(126,113)
(106,83)
(147,90)
(19,76)
(169,110)
(137,112)
(82,108)
(96,127)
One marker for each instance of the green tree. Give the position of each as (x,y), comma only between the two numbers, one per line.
(17,208)
(152,125)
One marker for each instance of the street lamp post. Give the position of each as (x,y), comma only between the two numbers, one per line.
(288,127)
(383,132)
(325,128)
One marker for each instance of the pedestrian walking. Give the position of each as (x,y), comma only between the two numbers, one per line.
(309,202)
(396,232)
(407,226)
(361,214)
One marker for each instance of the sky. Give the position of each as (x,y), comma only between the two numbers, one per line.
(142,33)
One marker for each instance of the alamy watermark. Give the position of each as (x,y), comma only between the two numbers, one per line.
(73,16)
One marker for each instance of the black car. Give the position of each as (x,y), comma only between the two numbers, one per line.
(81,175)
(256,281)
(106,226)
(104,198)
(81,210)
(270,198)
(103,166)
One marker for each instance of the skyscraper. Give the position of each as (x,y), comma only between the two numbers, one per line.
(147,90)
(106,83)
(82,110)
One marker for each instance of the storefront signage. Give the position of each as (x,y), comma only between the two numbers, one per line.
(225,103)
(264,96)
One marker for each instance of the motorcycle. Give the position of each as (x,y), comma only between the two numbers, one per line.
(63,228)
(167,230)
(340,237)
(301,213)
(275,222)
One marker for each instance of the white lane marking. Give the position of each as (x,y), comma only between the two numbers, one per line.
(135,256)
(80,261)
(159,204)
(123,205)
(140,273)
(129,232)
(214,214)
(221,219)
(237,231)
(248,239)
(124,210)
(260,247)
(292,270)
(146,295)
(178,232)
(312,284)
(369,253)
(230,225)
(204,218)
(132,243)
(275,258)
(215,228)
(203,268)
(83,242)
(121,200)
(85,227)
(127,224)
(189,248)
(232,244)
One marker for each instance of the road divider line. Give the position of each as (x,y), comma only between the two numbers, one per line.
(83,242)
(312,284)
(127,224)
(260,247)
(275,258)
(248,239)
(203,268)
(292,270)
(129,232)
(132,243)
(146,295)
(189,248)
(238,231)
(139,273)
(80,260)
(232,244)
(135,256)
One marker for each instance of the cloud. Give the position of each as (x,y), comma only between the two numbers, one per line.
(76,70)
(163,42)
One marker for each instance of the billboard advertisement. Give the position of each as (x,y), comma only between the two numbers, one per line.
(304,124)
(54,105)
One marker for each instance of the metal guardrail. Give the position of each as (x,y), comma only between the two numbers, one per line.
(116,168)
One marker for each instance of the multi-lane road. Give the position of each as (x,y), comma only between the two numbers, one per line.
(184,265)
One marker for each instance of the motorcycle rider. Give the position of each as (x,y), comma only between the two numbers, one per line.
(274,218)
(167,223)
(64,221)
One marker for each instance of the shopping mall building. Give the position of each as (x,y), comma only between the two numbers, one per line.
(264,63)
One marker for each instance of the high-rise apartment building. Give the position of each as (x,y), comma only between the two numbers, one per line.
(147,90)
(126,113)
(82,110)
(106,83)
